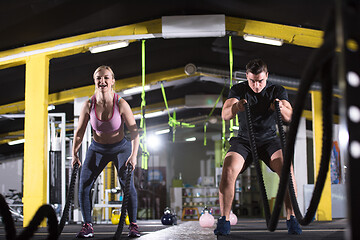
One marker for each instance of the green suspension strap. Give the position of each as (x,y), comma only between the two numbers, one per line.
(145,153)
(210,114)
(172,120)
(231,61)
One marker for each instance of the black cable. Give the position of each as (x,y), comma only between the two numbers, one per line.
(69,199)
(124,206)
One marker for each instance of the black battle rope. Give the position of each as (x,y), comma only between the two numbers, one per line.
(325,152)
(124,206)
(69,199)
(256,161)
(321,57)
(45,211)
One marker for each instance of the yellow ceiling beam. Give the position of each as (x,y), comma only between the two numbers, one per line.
(77,44)
(69,95)
(292,35)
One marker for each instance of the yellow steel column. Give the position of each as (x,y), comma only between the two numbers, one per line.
(324,209)
(35,149)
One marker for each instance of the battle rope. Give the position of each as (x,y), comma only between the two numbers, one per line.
(257,162)
(321,57)
(69,199)
(45,211)
(119,229)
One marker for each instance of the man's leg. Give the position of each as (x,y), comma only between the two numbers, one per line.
(233,164)
(276,163)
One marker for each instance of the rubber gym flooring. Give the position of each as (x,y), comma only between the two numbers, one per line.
(245,229)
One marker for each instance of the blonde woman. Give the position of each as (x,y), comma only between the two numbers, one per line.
(107,113)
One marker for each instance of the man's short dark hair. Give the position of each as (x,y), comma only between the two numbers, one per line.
(256,66)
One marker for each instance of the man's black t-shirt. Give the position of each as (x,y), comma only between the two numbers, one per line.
(263,119)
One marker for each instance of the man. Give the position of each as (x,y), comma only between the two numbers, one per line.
(260,95)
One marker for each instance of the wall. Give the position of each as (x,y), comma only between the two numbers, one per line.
(11,174)
(184,158)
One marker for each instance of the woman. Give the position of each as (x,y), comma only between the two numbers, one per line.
(107,113)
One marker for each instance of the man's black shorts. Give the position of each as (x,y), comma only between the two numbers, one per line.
(265,150)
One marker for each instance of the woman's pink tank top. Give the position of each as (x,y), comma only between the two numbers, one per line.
(105,126)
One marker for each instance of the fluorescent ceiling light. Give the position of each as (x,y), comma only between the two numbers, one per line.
(153,114)
(162,131)
(262,39)
(192,139)
(136,89)
(108,46)
(50,107)
(17,141)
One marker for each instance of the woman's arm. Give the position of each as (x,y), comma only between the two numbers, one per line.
(130,123)
(79,133)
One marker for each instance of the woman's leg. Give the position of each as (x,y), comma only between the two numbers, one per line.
(91,168)
(122,157)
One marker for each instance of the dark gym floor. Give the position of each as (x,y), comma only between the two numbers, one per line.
(245,229)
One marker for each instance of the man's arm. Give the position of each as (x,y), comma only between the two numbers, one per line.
(231,107)
(285,109)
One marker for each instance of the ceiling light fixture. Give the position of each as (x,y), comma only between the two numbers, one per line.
(154,114)
(19,141)
(136,90)
(262,39)
(109,46)
(192,139)
(163,131)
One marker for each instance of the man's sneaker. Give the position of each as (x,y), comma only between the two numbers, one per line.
(87,231)
(223,227)
(133,230)
(293,226)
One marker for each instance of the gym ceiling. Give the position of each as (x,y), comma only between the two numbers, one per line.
(37,24)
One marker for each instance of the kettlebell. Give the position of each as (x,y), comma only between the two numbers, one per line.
(167,218)
(115,217)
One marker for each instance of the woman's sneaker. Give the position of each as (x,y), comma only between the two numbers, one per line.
(293,226)
(133,230)
(87,231)
(222,227)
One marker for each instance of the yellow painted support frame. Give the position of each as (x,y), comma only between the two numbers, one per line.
(324,212)
(36,125)
(36,100)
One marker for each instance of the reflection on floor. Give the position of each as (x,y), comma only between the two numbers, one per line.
(244,229)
